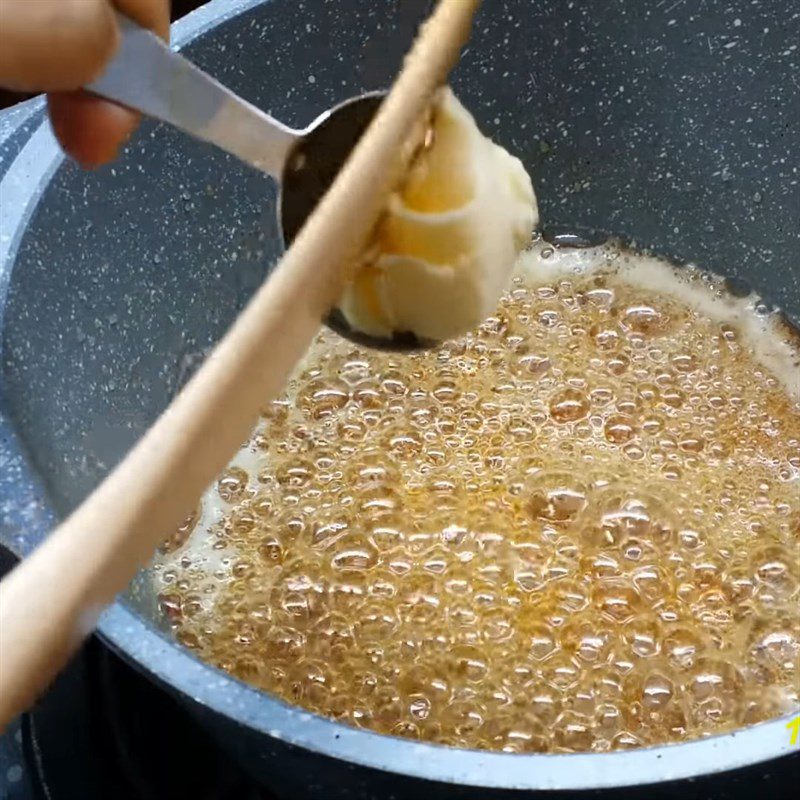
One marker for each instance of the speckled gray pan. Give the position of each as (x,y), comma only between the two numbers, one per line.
(671,122)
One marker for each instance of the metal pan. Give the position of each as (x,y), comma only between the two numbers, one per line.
(670,123)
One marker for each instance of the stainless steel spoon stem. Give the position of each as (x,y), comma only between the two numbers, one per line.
(147,76)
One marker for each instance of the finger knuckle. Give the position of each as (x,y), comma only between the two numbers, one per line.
(87,35)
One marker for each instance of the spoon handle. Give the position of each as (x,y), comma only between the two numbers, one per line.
(147,76)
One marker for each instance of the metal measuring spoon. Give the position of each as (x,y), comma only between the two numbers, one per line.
(147,76)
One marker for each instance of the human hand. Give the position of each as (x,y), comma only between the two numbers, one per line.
(58,46)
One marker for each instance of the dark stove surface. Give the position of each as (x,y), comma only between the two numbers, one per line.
(104,731)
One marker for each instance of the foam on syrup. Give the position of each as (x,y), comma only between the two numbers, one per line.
(575,529)
(764,331)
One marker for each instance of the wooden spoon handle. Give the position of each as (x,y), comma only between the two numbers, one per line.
(50,602)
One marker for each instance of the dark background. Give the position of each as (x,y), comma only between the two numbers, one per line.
(179,8)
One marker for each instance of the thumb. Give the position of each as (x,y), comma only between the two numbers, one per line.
(54,45)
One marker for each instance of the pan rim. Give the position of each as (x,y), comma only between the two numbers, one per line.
(155,654)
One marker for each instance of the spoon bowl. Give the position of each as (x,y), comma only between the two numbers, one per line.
(309,170)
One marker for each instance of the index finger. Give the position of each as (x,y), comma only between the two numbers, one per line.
(92,130)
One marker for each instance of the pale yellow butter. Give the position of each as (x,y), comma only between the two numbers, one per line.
(446,248)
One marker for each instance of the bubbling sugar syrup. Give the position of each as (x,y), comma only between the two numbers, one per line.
(576,529)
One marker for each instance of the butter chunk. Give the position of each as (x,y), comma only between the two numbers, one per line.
(445,250)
